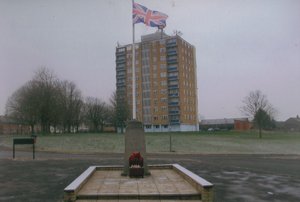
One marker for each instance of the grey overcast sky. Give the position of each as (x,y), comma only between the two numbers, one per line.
(242,45)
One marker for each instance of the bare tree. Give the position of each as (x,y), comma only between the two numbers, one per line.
(36,101)
(257,107)
(120,111)
(48,101)
(22,105)
(71,105)
(253,102)
(113,109)
(47,90)
(96,113)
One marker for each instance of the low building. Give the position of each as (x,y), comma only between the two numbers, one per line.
(9,126)
(240,124)
(292,124)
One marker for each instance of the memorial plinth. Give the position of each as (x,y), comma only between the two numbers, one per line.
(135,142)
(166,182)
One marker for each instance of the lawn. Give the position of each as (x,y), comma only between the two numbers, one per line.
(227,142)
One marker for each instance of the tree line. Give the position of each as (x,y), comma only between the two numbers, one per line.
(47,101)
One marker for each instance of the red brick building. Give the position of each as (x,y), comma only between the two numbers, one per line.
(242,124)
(9,126)
(239,124)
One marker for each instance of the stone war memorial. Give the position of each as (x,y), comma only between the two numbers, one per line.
(135,150)
(135,180)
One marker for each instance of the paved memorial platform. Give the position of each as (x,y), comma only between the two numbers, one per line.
(166,183)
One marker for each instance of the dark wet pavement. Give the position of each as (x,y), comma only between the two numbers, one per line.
(237,178)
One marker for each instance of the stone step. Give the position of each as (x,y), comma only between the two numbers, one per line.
(115,200)
(139,197)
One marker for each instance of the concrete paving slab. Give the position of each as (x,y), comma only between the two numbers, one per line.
(147,187)
(109,188)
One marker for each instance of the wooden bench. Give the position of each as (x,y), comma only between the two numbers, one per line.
(24,141)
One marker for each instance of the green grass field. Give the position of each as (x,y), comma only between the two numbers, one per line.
(228,142)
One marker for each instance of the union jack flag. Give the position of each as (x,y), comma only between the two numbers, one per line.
(150,18)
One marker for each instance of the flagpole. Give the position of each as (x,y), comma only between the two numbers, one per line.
(133,71)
